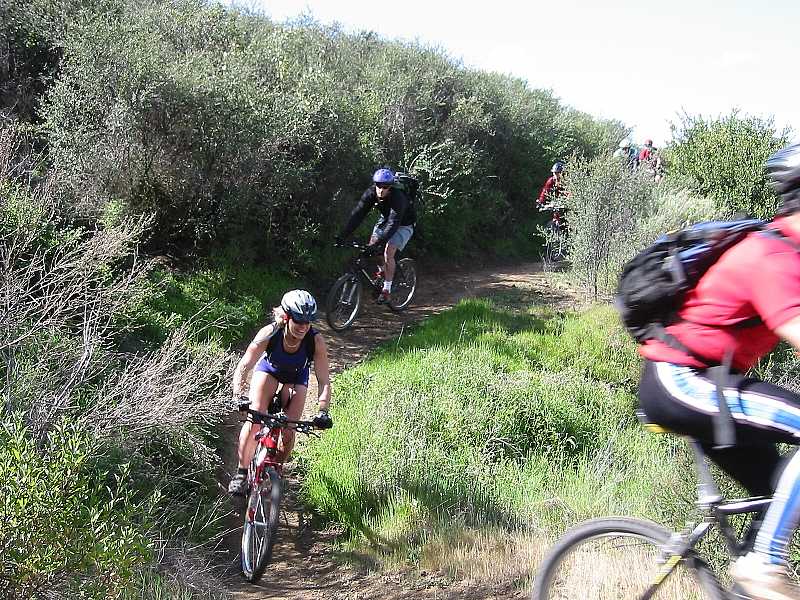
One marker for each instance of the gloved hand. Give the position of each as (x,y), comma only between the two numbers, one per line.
(242,403)
(323,420)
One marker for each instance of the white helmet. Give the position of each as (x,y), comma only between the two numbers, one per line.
(626,143)
(299,305)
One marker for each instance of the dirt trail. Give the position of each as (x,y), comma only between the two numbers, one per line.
(303,566)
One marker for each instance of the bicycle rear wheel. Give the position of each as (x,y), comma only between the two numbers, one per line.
(343,302)
(620,558)
(260,525)
(404,285)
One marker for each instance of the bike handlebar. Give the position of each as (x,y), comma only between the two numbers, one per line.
(551,206)
(275,420)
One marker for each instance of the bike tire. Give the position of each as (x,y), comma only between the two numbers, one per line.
(404,285)
(343,302)
(629,551)
(261,524)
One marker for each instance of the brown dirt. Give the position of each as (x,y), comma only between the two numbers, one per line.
(306,564)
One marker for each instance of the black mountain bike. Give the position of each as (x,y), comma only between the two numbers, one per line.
(344,298)
(555,237)
(624,558)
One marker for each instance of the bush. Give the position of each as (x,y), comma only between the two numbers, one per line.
(724,160)
(614,212)
(134,471)
(230,127)
(67,528)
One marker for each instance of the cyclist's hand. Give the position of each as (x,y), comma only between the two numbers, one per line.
(242,403)
(323,420)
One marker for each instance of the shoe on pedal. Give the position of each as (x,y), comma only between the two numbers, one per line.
(238,485)
(763,580)
(383,297)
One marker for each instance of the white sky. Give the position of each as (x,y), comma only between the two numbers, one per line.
(642,62)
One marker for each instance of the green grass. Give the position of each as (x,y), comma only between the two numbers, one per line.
(224,303)
(492,414)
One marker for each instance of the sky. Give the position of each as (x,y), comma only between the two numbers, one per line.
(645,63)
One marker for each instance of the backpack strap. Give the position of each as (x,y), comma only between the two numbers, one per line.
(724,425)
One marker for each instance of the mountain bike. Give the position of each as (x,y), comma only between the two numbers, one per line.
(626,558)
(555,237)
(265,485)
(344,298)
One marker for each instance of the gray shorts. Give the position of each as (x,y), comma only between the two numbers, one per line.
(400,237)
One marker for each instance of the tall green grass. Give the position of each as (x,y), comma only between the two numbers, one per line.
(489,415)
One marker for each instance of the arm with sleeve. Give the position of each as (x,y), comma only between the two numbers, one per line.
(359,212)
(546,188)
(399,205)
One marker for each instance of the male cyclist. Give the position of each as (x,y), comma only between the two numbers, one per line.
(553,188)
(627,153)
(394,228)
(281,353)
(741,307)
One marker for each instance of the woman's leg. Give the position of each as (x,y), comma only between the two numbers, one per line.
(262,388)
(294,411)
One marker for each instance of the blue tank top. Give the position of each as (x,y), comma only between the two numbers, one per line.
(290,363)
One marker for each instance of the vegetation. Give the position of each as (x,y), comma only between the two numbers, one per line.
(491,415)
(723,159)
(615,212)
(168,169)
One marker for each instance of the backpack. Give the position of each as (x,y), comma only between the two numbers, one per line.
(408,184)
(654,283)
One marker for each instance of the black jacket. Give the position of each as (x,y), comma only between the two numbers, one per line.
(395,211)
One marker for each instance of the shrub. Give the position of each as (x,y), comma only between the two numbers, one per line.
(614,212)
(724,160)
(66,528)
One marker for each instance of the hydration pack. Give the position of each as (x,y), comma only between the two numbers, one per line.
(408,184)
(654,283)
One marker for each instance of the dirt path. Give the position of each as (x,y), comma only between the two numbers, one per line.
(302,566)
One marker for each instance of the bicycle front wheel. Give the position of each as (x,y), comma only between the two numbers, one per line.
(623,559)
(260,525)
(404,285)
(343,302)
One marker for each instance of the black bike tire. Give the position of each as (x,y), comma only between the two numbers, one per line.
(405,265)
(253,567)
(648,531)
(332,302)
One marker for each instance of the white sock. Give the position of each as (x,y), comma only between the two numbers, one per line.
(387,286)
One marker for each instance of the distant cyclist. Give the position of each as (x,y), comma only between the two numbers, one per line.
(647,153)
(627,153)
(282,353)
(553,188)
(394,228)
(744,304)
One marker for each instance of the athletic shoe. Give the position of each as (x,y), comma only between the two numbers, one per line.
(238,485)
(763,580)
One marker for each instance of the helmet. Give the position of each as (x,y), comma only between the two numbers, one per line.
(558,166)
(783,172)
(626,143)
(299,305)
(648,142)
(383,176)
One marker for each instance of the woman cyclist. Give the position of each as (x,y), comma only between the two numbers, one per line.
(282,353)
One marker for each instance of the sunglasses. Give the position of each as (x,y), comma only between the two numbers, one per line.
(383,186)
